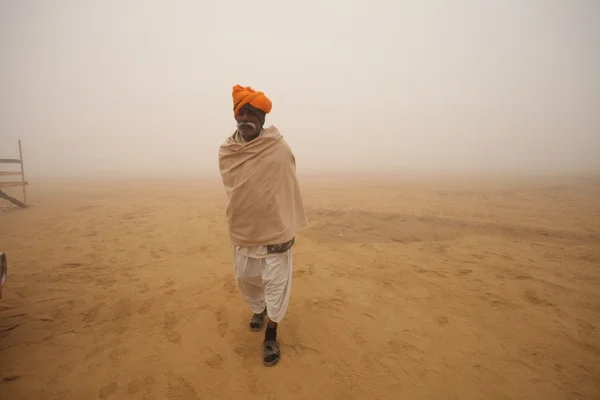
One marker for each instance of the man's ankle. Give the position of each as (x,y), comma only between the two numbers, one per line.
(271,331)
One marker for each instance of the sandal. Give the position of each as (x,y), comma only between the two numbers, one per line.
(257,321)
(271,352)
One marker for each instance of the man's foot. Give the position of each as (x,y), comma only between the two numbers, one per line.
(257,321)
(271,353)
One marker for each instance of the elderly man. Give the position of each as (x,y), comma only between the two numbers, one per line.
(264,213)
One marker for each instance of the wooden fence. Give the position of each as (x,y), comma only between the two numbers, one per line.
(22,183)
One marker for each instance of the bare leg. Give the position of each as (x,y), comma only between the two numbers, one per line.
(271,352)
(277,276)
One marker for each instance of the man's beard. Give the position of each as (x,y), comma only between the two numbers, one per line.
(247,129)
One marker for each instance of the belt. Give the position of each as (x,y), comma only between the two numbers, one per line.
(280,248)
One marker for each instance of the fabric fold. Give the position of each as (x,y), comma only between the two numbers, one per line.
(247,95)
(264,206)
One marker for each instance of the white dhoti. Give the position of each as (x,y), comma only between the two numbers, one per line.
(264,279)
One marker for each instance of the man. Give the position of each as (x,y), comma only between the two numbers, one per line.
(264,212)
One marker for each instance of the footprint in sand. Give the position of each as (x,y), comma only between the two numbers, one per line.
(309,271)
(222,326)
(497,301)
(215,361)
(174,337)
(359,339)
(246,352)
(146,306)
(229,286)
(170,290)
(219,314)
(171,320)
(117,355)
(533,298)
(108,390)
(180,388)
(155,254)
(332,303)
(106,282)
(143,385)
(90,315)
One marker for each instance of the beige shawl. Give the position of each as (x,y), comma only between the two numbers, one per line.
(265,205)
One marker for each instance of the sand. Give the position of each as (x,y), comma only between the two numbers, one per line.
(405,288)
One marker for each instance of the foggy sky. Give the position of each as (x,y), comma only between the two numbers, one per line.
(97,87)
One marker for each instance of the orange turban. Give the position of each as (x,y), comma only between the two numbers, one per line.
(247,95)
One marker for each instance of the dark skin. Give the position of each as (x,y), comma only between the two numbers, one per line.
(245,115)
(270,324)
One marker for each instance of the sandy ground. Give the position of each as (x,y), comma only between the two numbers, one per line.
(405,289)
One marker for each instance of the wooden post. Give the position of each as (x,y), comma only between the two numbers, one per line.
(23,174)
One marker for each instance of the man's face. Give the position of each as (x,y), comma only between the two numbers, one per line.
(248,124)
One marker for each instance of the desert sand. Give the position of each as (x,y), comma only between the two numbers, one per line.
(403,288)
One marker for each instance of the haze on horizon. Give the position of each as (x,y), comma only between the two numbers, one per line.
(144,87)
